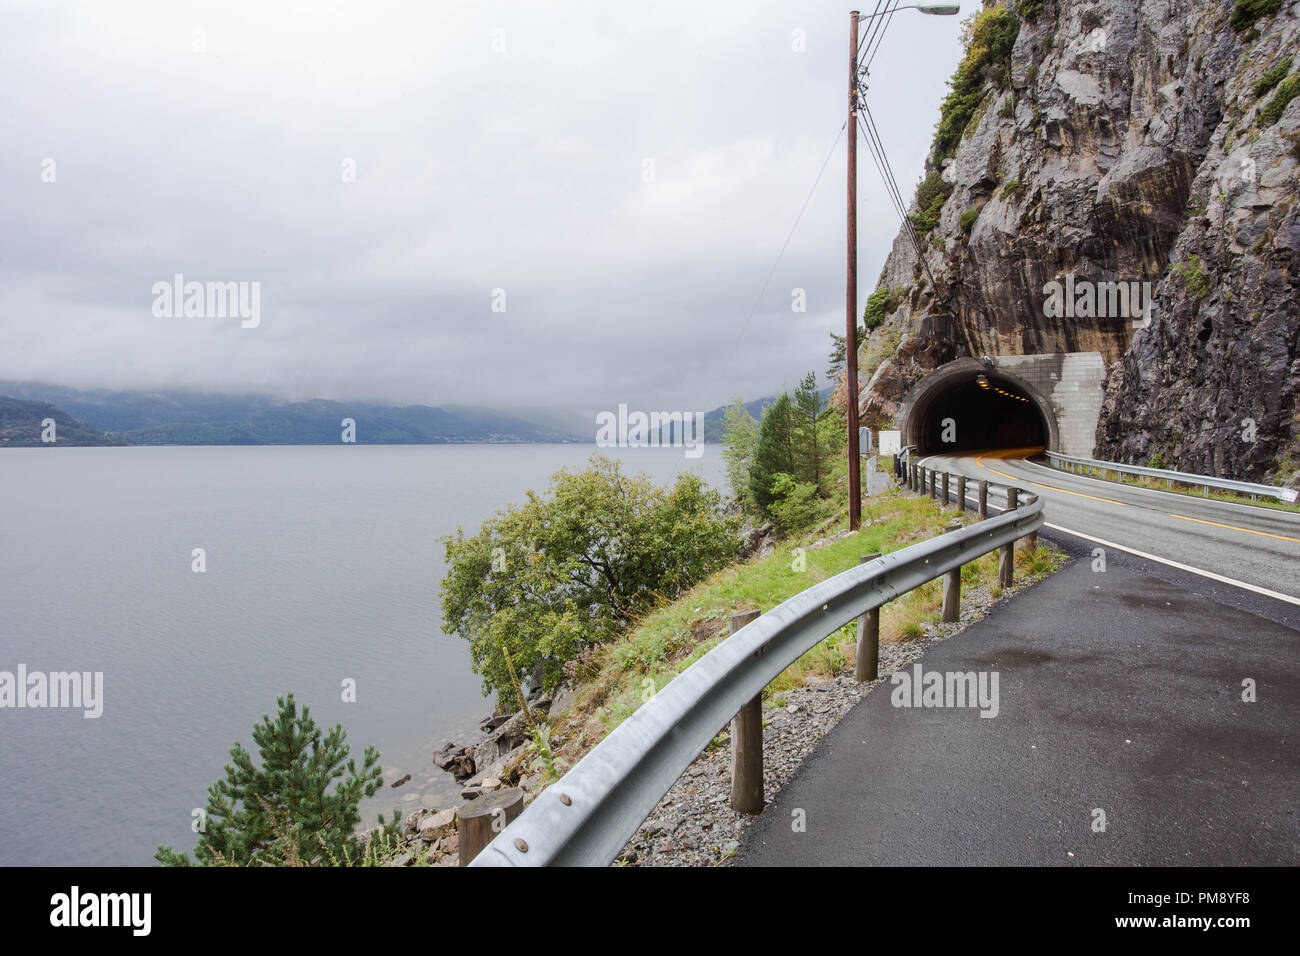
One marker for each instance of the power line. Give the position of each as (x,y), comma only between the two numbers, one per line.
(876,20)
(880,39)
(877,149)
(784,245)
(900,206)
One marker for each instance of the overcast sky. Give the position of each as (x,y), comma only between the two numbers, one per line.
(211,139)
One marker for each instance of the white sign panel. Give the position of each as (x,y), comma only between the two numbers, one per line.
(890,442)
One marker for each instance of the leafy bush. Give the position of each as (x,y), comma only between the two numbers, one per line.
(1012,188)
(1273,77)
(282,811)
(968,218)
(541,581)
(930,197)
(1246,12)
(990,36)
(879,304)
(740,438)
(1193,275)
(1029,9)
(795,505)
(1286,92)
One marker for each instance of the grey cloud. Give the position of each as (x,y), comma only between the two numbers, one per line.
(475,170)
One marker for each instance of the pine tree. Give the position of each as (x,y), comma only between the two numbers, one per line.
(811,455)
(776,452)
(282,810)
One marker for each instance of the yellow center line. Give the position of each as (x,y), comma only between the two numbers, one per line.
(1266,534)
(1077,494)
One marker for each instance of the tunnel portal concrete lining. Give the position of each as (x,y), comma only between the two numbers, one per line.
(1064,390)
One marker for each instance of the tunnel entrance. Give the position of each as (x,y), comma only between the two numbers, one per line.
(969,405)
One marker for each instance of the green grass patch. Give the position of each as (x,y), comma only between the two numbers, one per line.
(1275,75)
(1246,12)
(1286,92)
(669,639)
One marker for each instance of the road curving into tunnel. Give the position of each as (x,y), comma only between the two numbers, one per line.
(1246,546)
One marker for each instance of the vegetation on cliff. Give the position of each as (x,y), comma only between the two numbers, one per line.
(988,37)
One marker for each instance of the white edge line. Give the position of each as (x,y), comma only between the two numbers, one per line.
(1275,595)
(1181,567)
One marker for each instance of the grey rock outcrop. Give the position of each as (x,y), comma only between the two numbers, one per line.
(1123,144)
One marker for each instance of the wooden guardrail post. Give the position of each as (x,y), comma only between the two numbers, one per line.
(984,499)
(747,744)
(945,489)
(961,492)
(478,822)
(868,666)
(1007,553)
(1031,539)
(952,595)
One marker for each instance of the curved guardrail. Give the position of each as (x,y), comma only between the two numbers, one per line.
(1207,482)
(588,816)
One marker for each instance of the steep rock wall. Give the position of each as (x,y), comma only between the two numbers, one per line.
(1123,143)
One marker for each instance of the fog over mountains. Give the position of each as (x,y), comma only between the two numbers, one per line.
(199,418)
(193,418)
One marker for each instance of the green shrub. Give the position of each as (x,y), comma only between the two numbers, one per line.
(1246,12)
(991,34)
(1286,92)
(795,505)
(542,581)
(1273,77)
(1193,276)
(1012,188)
(282,812)
(1031,75)
(968,220)
(1029,9)
(879,304)
(930,197)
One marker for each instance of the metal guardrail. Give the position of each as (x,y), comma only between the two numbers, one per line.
(1073,463)
(588,816)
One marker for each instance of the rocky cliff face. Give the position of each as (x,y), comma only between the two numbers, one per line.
(1136,152)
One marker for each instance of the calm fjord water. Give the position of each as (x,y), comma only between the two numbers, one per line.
(323,563)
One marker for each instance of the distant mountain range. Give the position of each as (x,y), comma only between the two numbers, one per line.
(22,424)
(105,417)
(190,418)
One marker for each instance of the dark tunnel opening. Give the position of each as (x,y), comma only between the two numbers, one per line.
(980,414)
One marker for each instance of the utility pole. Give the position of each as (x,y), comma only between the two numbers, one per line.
(851,286)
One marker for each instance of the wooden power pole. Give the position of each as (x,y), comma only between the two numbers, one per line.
(851,286)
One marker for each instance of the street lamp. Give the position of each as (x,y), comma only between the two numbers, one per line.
(934,8)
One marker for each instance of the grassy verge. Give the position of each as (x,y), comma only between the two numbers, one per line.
(623,674)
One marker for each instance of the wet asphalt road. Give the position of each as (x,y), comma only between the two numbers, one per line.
(1118,691)
(1254,545)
